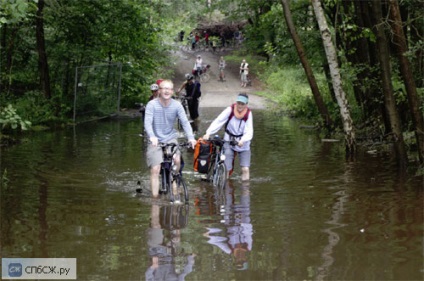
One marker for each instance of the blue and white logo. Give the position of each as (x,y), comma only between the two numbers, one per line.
(15,269)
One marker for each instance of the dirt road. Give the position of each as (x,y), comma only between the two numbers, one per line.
(215,93)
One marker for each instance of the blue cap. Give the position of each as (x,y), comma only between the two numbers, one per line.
(243,99)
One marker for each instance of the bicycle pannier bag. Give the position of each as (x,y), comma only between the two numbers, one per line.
(202,156)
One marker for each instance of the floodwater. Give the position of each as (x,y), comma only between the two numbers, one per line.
(306,214)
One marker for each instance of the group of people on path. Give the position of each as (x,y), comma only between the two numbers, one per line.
(162,112)
(244,70)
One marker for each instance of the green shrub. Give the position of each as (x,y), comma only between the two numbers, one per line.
(291,90)
(10,120)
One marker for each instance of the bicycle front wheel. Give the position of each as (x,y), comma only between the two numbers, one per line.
(165,181)
(205,77)
(220,177)
(182,189)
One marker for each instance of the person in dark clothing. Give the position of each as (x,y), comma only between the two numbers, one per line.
(222,35)
(193,93)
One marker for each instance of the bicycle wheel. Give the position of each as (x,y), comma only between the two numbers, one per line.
(205,77)
(209,175)
(220,177)
(165,181)
(187,48)
(182,189)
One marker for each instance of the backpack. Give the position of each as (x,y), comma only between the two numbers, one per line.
(245,117)
(202,156)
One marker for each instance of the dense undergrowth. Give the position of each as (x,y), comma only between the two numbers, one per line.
(288,88)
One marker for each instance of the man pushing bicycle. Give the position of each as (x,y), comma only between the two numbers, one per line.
(160,117)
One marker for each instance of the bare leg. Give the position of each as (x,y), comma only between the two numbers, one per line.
(177,162)
(245,173)
(154,180)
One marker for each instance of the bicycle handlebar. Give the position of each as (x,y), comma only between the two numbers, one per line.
(181,144)
(219,141)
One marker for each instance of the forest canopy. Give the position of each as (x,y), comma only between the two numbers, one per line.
(52,51)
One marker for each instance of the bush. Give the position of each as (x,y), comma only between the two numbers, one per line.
(10,120)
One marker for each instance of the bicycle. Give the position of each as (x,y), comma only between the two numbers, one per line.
(187,47)
(184,101)
(204,77)
(218,172)
(200,46)
(169,175)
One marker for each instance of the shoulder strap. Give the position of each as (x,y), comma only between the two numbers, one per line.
(245,117)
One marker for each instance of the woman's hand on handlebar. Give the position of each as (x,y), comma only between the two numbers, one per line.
(205,136)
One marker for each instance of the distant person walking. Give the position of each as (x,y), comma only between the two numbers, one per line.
(198,66)
(221,67)
(206,36)
(244,71)
(193,94)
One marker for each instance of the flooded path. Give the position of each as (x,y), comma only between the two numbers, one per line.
(307,213)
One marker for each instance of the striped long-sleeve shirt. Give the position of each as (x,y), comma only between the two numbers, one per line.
(159,120)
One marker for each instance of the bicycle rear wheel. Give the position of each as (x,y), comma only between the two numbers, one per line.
(205,77)
(220,177)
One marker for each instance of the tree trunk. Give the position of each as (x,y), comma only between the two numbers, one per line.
(387,87)
(408,78)
(43,66)
(328,122)
(335,76)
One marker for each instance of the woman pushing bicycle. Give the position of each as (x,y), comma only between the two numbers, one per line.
(238,122)
(160,117)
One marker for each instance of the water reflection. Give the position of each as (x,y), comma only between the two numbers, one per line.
(170,258)
(235,234)
(312,214)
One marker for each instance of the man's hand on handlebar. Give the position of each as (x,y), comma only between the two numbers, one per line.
(193,143)
(154,141)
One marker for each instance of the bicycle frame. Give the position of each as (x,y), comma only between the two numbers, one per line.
(218,172)
(169,173)
(184,101)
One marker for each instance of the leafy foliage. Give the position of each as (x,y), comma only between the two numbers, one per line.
(142,35)
(10,120)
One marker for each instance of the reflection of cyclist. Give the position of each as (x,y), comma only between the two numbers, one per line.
(163,251)
(160,117)
(237,237)
(238,122)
